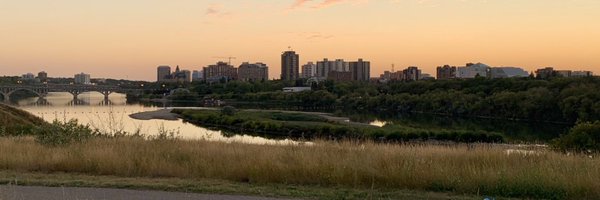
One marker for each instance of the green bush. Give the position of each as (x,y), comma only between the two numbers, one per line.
(228,110)
(584,137)
(63,133)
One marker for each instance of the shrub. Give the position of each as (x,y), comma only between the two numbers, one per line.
(63,133)
(584,137)
(228,110)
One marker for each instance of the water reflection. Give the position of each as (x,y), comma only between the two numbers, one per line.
(513,131)
(112,116)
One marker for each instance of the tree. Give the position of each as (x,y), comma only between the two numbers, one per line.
(228,110)
(583,138)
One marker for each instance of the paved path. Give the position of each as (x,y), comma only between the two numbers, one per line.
(69,193)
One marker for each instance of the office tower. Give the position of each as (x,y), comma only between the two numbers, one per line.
(309,70)
(446,72)
(163,73)
(253,72)
(290,64)
(361,70)
(82,78)
(220,71)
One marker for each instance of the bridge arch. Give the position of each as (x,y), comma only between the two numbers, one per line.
(106,93)
(39,93)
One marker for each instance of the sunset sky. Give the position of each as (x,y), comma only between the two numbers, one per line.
(130,38)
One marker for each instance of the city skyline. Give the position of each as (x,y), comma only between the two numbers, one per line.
(114,39)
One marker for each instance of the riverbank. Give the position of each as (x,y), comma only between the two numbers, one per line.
(308,125)
(167,114)
(162,114)
(459,169)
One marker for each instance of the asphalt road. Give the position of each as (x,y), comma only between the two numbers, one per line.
(69,193)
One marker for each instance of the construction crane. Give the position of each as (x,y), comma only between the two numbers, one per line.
(229,58)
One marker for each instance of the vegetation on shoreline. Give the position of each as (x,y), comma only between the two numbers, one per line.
(584,137)
(300,125)
(460,169)
(559,100)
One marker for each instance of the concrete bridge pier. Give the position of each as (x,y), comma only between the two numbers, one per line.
(5,97)
(106,94)
(75,94)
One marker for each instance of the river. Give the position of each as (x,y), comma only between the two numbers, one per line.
(113,117)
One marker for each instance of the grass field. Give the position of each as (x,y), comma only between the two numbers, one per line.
(472,170)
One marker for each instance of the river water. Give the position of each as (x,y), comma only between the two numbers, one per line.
(113,116)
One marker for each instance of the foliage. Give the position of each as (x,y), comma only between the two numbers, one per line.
(564,100)
(309,126)
(63,133)
(228,110)
(583,138)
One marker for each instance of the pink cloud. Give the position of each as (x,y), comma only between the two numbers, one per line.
(316,4)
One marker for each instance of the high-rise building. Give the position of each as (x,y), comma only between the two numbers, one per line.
(341,66)
(340,76)
(290,64)
(163,73)
(324,67)
(43,76)
(186,76)
(361,70)
(412,74)
(309,70)
(253,72)
(446,72)
(197,75)
(82,78)
(220,71)
(178,76)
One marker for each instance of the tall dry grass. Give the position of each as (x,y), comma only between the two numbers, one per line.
(463,169)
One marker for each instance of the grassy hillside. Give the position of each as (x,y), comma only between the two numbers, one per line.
(17,122)
(482,169)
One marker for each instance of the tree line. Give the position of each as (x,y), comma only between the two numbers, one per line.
(561,100)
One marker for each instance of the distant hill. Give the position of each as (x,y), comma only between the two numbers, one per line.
(16,122)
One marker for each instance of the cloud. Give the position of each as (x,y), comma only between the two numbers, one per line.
(216,10)
(299,3)
(319,36)
(313,35)
(317,4)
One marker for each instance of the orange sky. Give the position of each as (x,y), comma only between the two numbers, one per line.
(129,39)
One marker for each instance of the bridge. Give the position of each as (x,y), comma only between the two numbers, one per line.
(42,90)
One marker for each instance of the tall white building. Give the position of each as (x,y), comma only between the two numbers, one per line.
(309,70)
(341,66)
(473,70)
(83,79)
